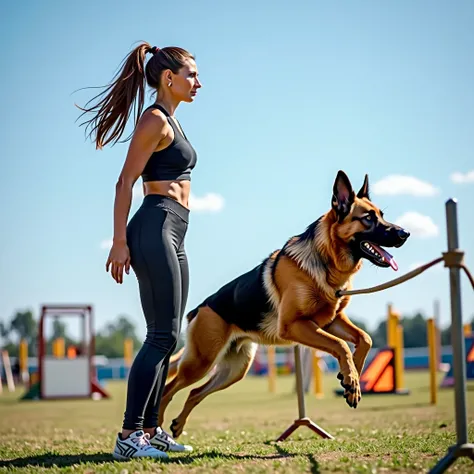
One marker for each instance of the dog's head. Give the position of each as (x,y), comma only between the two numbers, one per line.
(361,224)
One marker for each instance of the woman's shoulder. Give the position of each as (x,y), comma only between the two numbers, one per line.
(153,115)
(151,127)
(152,120)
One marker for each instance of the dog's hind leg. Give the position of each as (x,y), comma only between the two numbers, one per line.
(173,365)
(230,369)
(207,336)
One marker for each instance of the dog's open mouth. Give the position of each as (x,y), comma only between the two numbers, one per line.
(378,255)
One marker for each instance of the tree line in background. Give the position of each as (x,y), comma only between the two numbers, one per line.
(109,341)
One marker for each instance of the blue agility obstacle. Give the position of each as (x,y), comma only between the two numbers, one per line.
(448,380)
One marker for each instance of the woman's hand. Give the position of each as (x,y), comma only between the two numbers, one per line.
(119,258)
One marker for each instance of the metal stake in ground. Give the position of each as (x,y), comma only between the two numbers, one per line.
(462,448)
(303,420)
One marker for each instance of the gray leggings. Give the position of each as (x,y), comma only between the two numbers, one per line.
(155,237)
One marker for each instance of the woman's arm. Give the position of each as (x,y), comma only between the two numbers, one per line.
(147,136)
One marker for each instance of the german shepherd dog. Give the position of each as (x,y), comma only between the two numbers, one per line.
(289,298)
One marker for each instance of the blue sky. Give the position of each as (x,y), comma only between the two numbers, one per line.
(291,94)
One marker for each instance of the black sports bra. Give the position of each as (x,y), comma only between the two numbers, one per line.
(174,162)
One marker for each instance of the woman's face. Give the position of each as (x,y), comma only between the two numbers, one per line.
(186,83)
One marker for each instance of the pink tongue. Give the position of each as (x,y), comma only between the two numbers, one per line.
(386,256)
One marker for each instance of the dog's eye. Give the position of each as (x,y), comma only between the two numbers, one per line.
(368,219)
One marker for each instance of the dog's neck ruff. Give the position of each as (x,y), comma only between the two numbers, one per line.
(302,249)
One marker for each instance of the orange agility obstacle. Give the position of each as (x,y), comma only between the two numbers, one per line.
(380,376)
(384,373)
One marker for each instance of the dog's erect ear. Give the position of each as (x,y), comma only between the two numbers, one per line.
(343,196)
(364,190)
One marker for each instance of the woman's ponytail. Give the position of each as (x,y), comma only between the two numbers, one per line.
(114,105)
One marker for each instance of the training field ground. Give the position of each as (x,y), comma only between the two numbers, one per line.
(234,431)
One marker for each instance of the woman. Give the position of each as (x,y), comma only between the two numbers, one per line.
(153,241)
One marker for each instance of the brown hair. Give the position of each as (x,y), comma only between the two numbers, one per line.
(113,109)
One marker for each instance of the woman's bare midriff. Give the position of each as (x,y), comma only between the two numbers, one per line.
(177,190)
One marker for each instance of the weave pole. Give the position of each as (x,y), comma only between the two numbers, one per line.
(462,448)
(302,420)
(433,359)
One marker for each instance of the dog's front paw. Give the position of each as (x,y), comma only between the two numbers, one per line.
(351,385)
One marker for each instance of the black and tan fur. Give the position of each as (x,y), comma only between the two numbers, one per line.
(289,298)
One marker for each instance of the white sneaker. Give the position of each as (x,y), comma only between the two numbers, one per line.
(164,442)
(137,445)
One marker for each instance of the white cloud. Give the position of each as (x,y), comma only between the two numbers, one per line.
(106,244)
(210,202)
(397,184)
(418,225)
(461,178)
(137,191)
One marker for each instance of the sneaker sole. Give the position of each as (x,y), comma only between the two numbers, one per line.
(184,449)
(188,449)
(119,457)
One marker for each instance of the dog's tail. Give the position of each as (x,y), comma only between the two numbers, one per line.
(173,367)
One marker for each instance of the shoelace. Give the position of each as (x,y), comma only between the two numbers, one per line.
(143,441)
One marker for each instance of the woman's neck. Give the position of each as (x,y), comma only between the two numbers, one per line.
(168,103)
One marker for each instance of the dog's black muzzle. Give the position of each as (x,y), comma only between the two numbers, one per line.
(387,236)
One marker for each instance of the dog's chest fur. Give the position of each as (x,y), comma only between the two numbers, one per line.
(268,328)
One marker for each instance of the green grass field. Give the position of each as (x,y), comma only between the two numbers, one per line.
(235,431)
